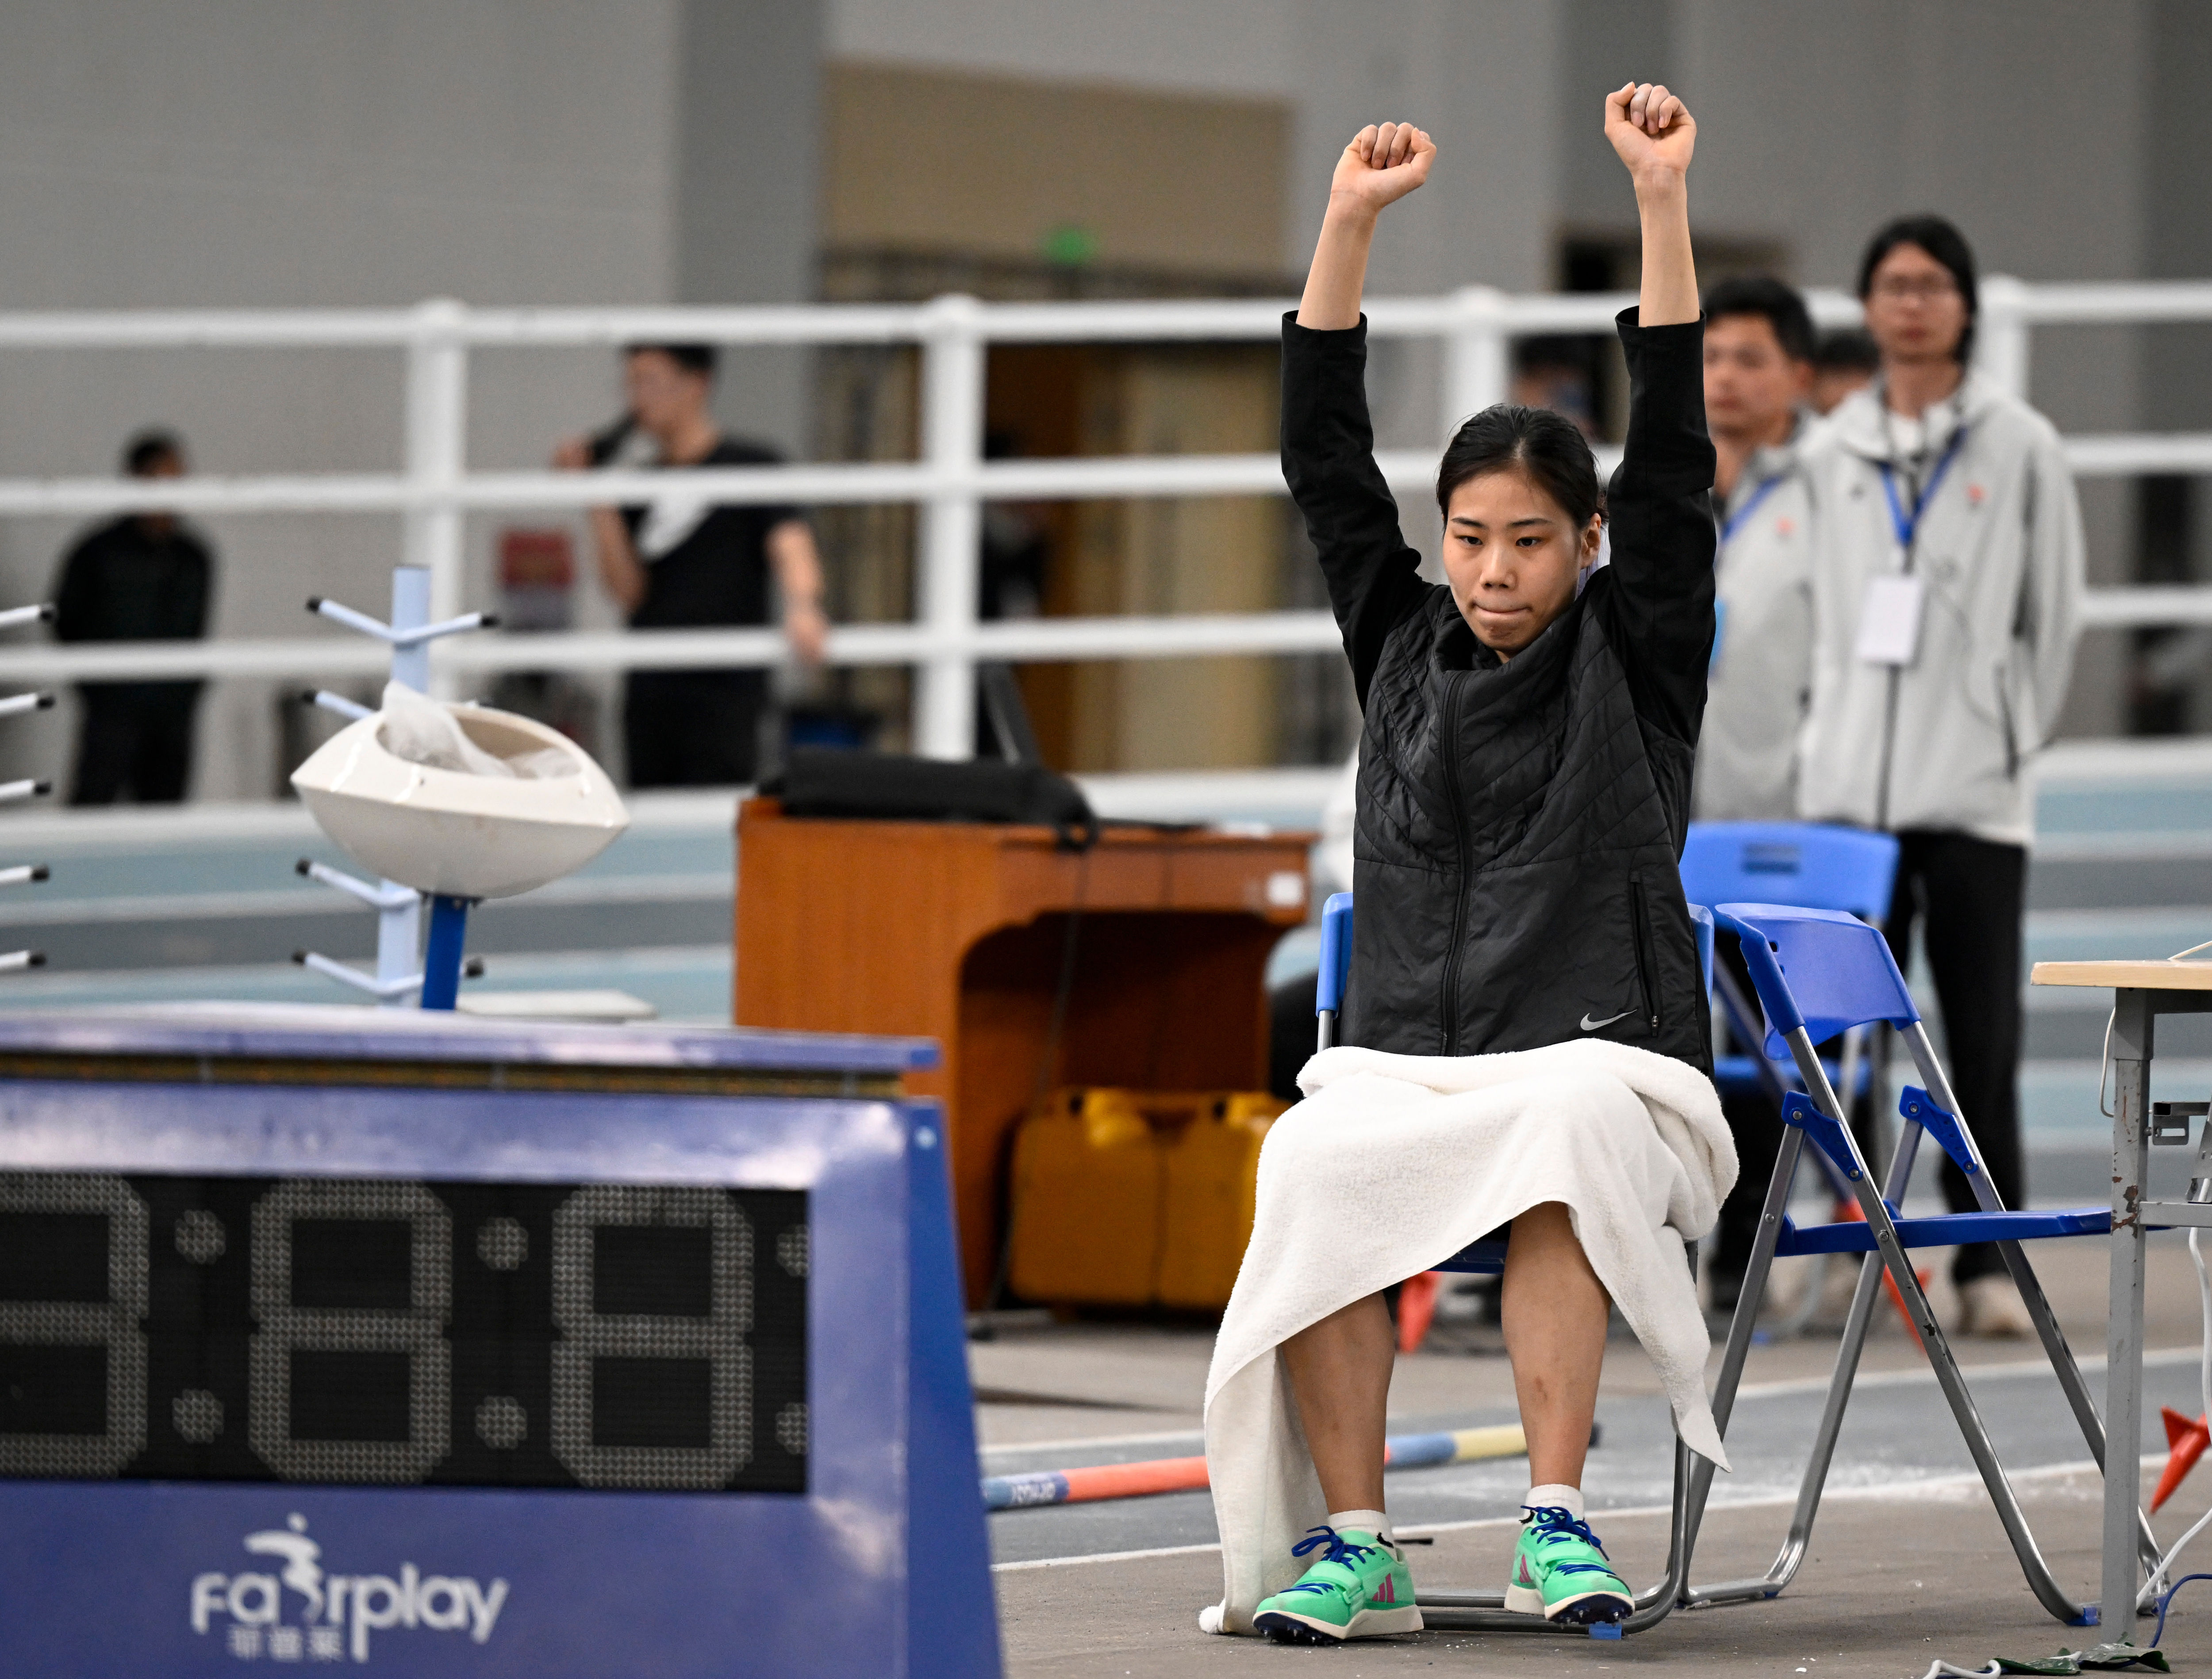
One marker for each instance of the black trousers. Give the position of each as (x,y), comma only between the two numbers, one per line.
(1967,897)
(134,742)
(1292,1034)
(1757,1128)
(693,728)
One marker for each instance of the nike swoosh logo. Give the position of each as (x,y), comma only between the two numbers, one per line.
(1590,1025)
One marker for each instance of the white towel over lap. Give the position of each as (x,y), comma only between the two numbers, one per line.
(1393,1163)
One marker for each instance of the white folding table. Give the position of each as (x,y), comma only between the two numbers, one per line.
(2142,991)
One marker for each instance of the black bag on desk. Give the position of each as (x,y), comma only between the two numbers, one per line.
(890,787)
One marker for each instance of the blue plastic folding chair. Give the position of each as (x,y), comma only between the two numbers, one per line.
(1463,1611)
(1813,865)
(1817,972)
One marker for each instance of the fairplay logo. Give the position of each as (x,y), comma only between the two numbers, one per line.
(337,1612)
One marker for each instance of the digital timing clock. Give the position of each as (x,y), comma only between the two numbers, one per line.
(386,1332)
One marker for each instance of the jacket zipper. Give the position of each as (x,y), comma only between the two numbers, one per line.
(1643,932)
(1449,747)
(1889,698)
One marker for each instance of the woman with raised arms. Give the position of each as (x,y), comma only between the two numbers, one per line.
(1524,782)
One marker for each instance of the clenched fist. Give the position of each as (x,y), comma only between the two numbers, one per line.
(1381,166)
(1650,129)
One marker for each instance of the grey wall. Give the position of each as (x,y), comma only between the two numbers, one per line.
(2023,118)
(1479,75)
(2177,232)
(269,152)
(747,187)
(2025,122)
(1484,217)
(1607,42)
(2060,134)
(274,152)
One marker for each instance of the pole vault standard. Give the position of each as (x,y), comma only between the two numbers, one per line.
(398,908)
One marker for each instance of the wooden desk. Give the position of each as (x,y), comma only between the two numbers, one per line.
(959,931)
(2142,991)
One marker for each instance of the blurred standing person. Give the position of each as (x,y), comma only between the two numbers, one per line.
(1947,574)
(1844,360)
(144,577)
(1758,356)
(687,563)
(1757,368)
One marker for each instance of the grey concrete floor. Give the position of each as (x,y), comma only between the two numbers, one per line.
(1895,1580)
(1115,1588)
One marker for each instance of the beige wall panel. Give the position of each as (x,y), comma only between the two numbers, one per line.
(1215,555)
(925,160)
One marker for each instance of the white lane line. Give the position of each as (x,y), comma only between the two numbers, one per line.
(1960,1481)
(1094,1443)
(2159,845)
(1103,1556)
(2159,1359)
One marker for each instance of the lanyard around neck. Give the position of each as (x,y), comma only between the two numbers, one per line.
(1735,520)
(1908,525)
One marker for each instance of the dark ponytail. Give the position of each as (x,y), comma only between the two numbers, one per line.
(1548,446)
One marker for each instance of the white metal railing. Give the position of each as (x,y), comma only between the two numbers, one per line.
(949,481)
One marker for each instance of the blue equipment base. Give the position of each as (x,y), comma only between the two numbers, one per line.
(441,960)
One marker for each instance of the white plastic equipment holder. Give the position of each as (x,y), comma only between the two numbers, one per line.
(400,908)
(23,873)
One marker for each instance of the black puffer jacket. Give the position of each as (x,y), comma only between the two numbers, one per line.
(1520,822)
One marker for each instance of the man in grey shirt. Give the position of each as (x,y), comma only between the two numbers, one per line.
(1948,572)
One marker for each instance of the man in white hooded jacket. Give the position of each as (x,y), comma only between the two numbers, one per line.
(1946,576)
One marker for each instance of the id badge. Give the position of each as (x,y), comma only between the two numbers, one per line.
(1889,621)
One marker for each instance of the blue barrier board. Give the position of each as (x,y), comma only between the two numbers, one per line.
(477,1381)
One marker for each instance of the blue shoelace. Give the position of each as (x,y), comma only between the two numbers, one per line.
(1551,1522)
(1340,1549)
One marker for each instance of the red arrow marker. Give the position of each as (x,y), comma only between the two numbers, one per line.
(1417,1309)
(2186,1442)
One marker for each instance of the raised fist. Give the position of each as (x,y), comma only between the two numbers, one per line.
(1650,129)
(1382,166)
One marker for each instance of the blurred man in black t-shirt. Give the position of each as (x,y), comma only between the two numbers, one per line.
(140,578)
(686,563)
